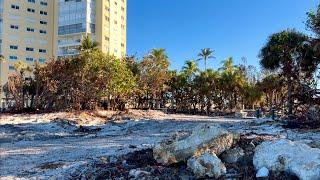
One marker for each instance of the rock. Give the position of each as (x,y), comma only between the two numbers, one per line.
(262,173)
(137,173)
(232,155)
(205,138)
(207,165)
(291,157)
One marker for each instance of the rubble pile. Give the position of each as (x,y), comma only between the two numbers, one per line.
(212,152)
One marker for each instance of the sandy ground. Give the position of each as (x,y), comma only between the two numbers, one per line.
(51,146)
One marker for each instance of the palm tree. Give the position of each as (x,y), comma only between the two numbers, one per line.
(155,74)
(280,54)
(87,44)
(190,67)
(228,65)
(206,54)
(158,55)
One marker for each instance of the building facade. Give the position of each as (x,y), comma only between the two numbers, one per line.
(38,30)
(103,20)
(27,34)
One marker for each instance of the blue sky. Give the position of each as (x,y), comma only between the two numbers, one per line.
(237,28)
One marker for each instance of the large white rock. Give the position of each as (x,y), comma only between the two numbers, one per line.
(262,173)
(205,138)
(283,155)
(207,165)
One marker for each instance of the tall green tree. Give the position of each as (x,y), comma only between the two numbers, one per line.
(190,68)
(189,72)
(206,85)
(206,54)
(280,54)
(154,75)
(312,49)
(231,82)
(313,21)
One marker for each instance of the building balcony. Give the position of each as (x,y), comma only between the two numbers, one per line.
(69,44)
(64,53)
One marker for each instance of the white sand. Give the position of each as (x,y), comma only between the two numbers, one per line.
(28,142)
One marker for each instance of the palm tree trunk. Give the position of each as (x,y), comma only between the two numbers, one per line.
(205,64)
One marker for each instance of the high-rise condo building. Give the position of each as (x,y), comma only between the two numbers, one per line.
(103,20)
(38,30)
(27,34)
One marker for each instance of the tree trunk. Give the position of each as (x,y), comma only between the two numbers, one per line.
(205,64)
(290,100)
(209,107)
(23,99)
(32,101)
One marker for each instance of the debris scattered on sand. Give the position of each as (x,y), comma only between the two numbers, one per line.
(86,145)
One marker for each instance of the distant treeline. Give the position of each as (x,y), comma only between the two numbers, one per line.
(288,79)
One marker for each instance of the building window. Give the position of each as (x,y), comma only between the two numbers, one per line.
(15,6)
(29,49)
(29,59)
(44,3)
(30,29)
(43,13)
(32,1)
(14,26)
(31,10)
(43,31)
(71,29)
(42,50)
(43,22)
(12,58)
(11,68)
(13,47)
(42,60)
